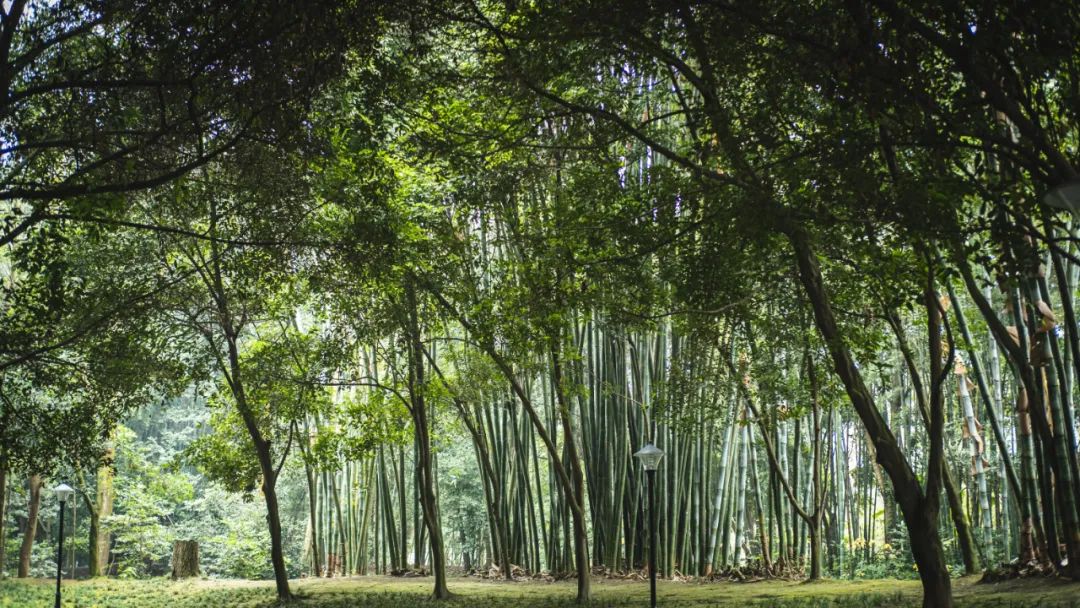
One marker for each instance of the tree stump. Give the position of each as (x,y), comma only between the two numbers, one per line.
(185,559)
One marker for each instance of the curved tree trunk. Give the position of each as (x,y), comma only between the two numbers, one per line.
(577,476)
(273,519)
(492,485)
(266,467)
(555,460)
(32,508)
(235,377)
(418,409)
(813,517)
(919,511)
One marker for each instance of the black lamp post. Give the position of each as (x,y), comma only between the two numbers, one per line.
(63,492)
(650,456)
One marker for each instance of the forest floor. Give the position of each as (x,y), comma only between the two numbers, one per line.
(386,592)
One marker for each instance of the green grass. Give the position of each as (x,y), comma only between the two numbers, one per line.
(383,592)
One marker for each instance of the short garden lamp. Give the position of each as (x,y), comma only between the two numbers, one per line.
(63,493)
(1064,196)
(650,456)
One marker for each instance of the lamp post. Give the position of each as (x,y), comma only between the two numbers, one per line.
(1064,196)
(650,456)
(63,492)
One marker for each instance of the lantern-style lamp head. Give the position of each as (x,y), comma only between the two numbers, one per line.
(1064,196)
(63,492)
(650,456)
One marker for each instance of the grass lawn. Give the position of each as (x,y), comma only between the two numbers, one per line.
(384,592)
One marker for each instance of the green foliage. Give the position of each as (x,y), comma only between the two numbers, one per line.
(238,546)
(147,498)
(533,172)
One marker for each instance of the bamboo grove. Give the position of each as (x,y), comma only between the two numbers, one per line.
(815,252)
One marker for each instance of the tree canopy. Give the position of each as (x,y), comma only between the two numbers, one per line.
(425,277)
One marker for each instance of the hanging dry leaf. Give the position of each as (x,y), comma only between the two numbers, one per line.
(1046,311)
(1039,353)
(979,445)
(1013,334)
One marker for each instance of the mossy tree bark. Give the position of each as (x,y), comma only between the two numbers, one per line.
(33,506)
(3,507)
(100,508)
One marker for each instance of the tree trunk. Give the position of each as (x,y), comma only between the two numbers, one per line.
(425,469)
(976,449)
(3,513)
(815,548)
(556,463)
(961,522)
(262,450)
(266,467)
(94,535)
(740,498)
(922,521)
(100,538)
(818,496)
(185,559)
(232,371)
(313,507)
(273,519)
(577,489)
(812,518)
(492,484)
(930,559)
(32,508)
(343,559)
